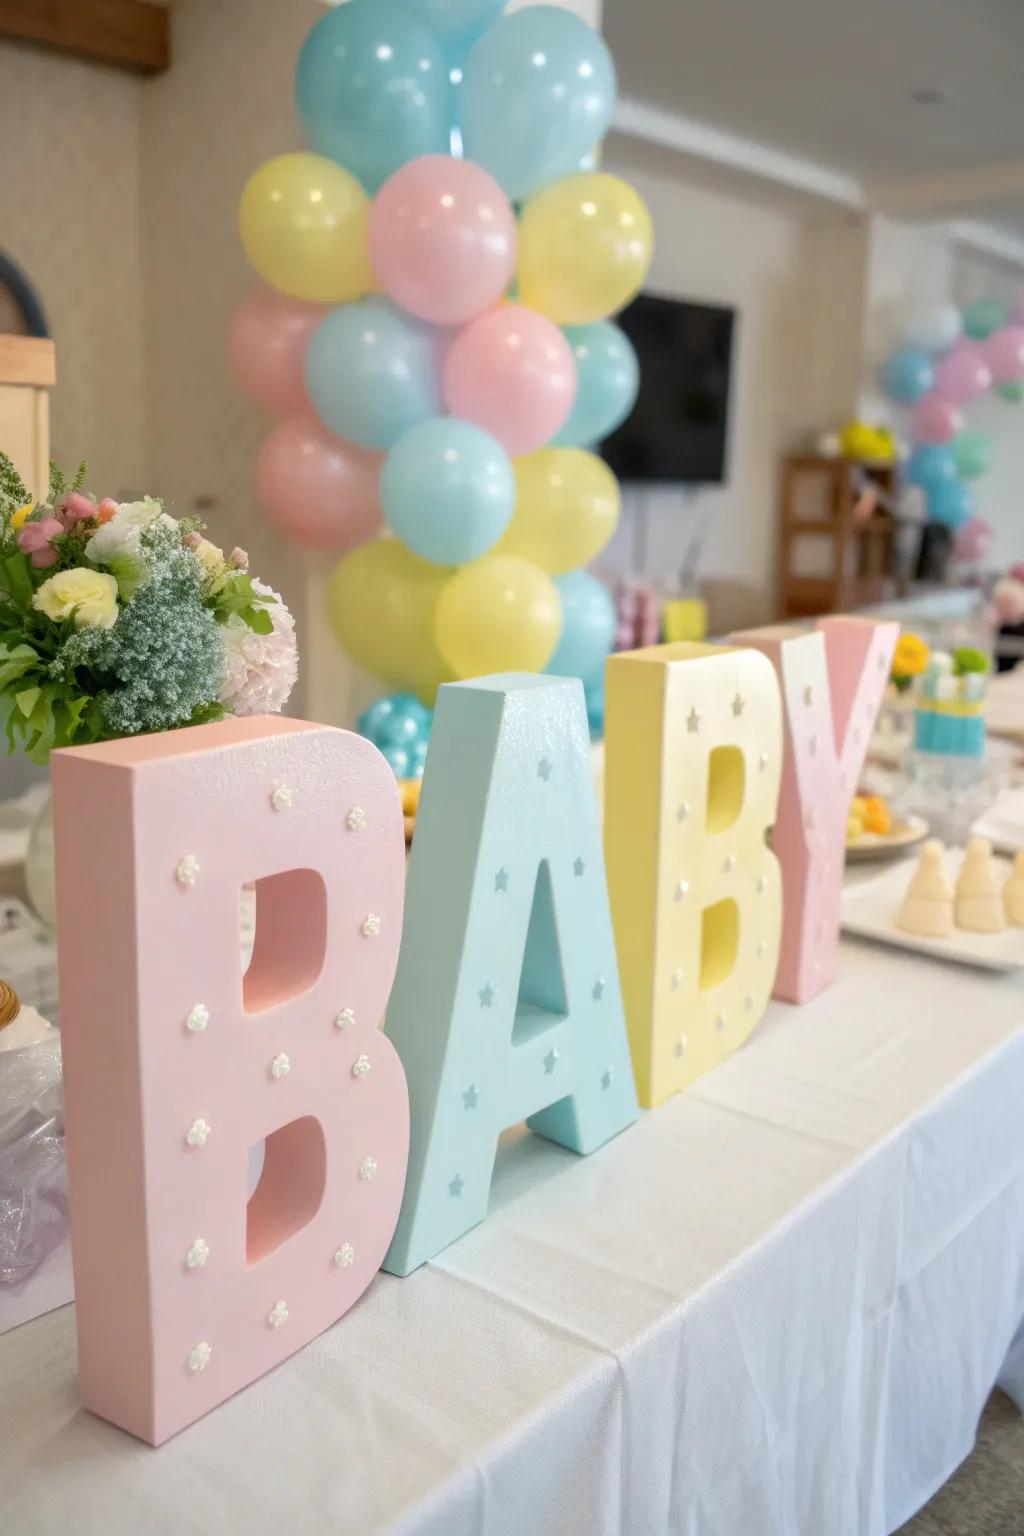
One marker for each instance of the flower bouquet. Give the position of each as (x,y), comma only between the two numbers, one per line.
(116,618)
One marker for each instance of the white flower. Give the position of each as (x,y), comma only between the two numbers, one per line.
(259,670)
(122,535)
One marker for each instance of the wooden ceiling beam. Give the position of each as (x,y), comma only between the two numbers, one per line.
(128,34)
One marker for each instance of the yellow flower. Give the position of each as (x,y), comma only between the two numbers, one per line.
(90,596)
(20,517)
(209,556)
(910,657)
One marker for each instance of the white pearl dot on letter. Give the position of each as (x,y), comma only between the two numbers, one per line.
(197,1133)
(356,819)
(198,1019)
(198,1254)
(281,1065)
(187,872)
(278,1316)
(199,1357)
(368,1168)
(281,798)
(344,1256)
(360,1066)
(371,926)
(346,1018)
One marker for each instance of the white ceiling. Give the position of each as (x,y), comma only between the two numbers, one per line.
(834,80)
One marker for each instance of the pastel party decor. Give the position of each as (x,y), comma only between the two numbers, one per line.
(931,463)
(936,421)
(928,324)
(303,222)
(321,491)
(372,90)
(457,328)
(267,341)
(1004,353)
(372,372)
(972,454)
(951,503)
(512,373)
(502,612)
(588,629)
(382,606)
(448,490)
(178,1060)
(506,1004)
(693,762)
(908,375)
(607,383)
(963,374)
(442,239)
(585,247)
(567,508)
(537,94)
(833,681)
(984,317)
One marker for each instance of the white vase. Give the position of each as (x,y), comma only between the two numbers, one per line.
(40,874)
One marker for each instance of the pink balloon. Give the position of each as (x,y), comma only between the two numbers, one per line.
(442,239)
(1004,353)
(267,340)
(318,489)
(963,374)
(936,420)
(513,373)
(973,540)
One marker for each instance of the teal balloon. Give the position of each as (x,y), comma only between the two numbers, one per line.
(1013,394)
(448,491)
(972,453)
(951,503)
(588,629)
(537,92)
(372,372)
(457,22)
(930,464)
(372,720)
(372,89)
(398,759)
(908,375)
(984,317)
(607,380)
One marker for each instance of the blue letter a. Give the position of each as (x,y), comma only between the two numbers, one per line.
(506,1004)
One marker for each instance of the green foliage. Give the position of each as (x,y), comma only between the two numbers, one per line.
(966,658)
(238,595)
(58,482)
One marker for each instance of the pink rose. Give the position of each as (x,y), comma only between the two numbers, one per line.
(74,508)
(35,540)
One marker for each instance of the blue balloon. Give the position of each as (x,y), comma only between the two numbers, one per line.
(951,503)
(594,696)
(448,491)
(930,464)
(982,318)
(907,376)
(588,629)
(397,759)
(607,380)
(537,92)
(457,22)
(418,758)
(372,720)
(372,89)
(372,372)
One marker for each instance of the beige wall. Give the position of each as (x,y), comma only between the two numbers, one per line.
(70,216)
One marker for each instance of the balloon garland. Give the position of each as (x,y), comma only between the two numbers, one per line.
(949,358)
(434,335)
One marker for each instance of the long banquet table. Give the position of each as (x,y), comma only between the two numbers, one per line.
(776,1305)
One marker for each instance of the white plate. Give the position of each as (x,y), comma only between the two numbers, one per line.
(872,845)
(870,908)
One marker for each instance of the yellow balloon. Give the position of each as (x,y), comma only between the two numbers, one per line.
(381,604)
(584,248)
(567,508)
(499,614)
(304,223)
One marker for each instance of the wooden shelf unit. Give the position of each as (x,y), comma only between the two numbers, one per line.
(829,561)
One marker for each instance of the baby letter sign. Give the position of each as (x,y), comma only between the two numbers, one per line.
(178,1061)
(694,755)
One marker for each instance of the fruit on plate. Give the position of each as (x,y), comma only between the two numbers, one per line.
(869,814)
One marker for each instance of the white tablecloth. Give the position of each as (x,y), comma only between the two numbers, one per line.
(777,1305)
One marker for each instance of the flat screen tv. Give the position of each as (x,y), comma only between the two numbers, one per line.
(679,427)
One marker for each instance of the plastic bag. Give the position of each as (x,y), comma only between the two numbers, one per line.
(33,1168)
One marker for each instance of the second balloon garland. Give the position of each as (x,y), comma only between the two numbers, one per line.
(452,396)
